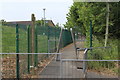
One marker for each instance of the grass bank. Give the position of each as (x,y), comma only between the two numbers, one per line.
(110,53)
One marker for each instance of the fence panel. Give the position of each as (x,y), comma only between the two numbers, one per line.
(24,65)
(22,48)
(8,46)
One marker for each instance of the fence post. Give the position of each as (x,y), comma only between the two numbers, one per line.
(59,43)
(33,32)
(17,51)
(73,38)
(48,40)
(90,33)
(55,39)
(28,36)
(33,37)
(85,63)
(36,49)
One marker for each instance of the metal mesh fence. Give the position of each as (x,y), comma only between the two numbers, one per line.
(17,39)
(23,48)
(8,45)
(65,38)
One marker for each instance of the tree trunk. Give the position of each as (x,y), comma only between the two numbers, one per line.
(107,25)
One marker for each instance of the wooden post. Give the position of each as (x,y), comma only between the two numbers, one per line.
(33,37)
(33,33)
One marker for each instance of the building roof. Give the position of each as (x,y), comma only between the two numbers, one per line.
(50,22)
(21,22)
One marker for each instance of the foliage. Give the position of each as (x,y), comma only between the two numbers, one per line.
(80,15)
(2,21)
(40,22)
(110,53)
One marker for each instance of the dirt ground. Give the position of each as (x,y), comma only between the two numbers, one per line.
(9,67)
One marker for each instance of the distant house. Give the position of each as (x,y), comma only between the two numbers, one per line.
(49,22)
(20,22)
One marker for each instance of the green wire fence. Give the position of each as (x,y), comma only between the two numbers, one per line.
(17,39)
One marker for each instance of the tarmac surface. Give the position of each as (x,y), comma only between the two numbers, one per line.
(69,69)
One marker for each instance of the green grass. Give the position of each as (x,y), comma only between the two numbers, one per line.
(9,41)
(104,54)
(42,44)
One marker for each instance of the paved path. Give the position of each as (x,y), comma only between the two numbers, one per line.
(68,69)
(52,70)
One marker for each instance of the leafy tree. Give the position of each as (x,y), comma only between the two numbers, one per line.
(80,14)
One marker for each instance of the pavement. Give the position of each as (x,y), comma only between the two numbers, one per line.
(65,69)
(69,69)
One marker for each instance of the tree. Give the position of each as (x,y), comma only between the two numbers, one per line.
(107,25)
(80,14)
(3,21)
(57,25)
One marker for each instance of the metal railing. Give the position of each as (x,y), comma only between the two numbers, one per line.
(81,68)
(74,68)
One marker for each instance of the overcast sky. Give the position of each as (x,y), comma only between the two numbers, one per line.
(19,10)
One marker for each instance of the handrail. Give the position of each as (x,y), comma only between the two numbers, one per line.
(30,53)
(85,57)
(79,49)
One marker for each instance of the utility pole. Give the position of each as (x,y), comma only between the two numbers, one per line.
(44,15)
(107,25)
